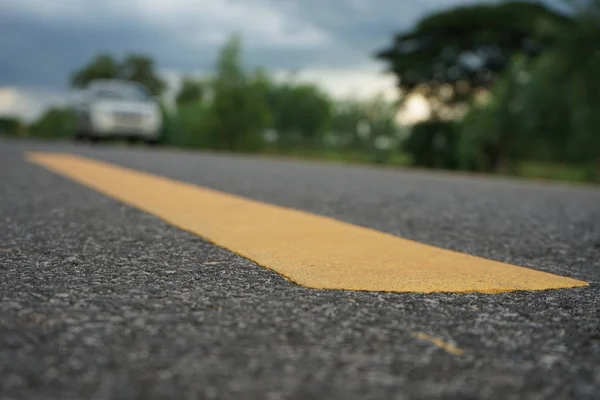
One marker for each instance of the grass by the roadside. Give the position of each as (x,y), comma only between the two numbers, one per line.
(526,169)
(556,172)
(347,156)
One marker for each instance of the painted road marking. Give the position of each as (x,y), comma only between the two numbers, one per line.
(450,348)
(310,250)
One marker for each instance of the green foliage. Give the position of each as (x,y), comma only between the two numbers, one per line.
(381,115)
(539,67)
(135,67)
(433,145)
(545,117)
(53,124)
(140,68)
(239,113)
(234,109)
(475,144)
(346,118)
(191,91)
(545,109)
(300,109)
(433,55)
(193,129)
(171,134)
(247,111)
(103,66)
(577,60)
(492,134)
(11,126)
(359,123)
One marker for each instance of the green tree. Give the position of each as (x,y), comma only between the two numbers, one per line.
(11,126)
(545,109)
(134,67)
(564,97)
(432,144)
(545,117)
(302,112)
(238,114)
(191,126)
(366,128)
(54,123)
(140,68)
(102,66)
(191,91)
(449,55)
(493,134)
(360,122)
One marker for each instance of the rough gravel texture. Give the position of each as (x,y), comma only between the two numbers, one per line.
(99,300)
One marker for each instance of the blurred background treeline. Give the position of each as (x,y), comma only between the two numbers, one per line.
(512,88)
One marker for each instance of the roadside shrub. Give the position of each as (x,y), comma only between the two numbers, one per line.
(433,145)
(10,126)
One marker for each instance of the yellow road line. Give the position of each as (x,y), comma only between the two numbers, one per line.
(450,348)
(310,250)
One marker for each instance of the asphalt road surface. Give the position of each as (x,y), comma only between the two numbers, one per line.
(99,300)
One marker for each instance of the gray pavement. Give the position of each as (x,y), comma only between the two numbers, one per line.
(99,300)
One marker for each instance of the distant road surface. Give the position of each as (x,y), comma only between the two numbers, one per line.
(122,296)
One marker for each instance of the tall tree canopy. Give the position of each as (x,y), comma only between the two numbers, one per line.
(54,123)
(191,90)
(300,109)
(102,66)
(545,109)
(11,126)
(450,54)
(140,68)
(239,112)
(135,67)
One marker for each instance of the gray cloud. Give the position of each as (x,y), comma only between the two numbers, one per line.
(41,42)
(38,52)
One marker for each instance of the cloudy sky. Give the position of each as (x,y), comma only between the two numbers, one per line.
(328,41)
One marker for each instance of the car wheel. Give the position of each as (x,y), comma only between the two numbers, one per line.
(151,142)
(78,137)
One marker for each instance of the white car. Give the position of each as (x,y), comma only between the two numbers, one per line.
(118,109)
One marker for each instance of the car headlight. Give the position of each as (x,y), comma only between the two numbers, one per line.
(102,115)
(153,116)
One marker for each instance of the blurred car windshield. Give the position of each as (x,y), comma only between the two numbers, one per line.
(120,93)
